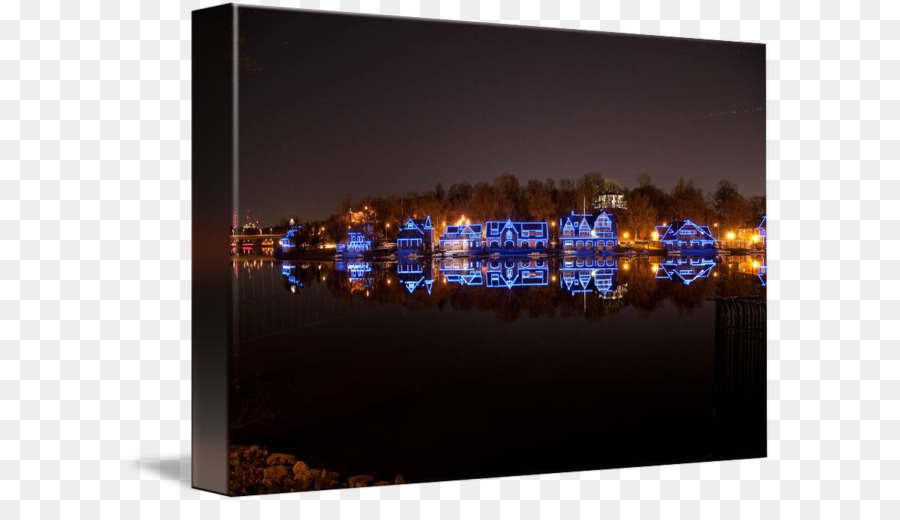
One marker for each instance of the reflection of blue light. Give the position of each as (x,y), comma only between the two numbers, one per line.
(761,273)
(415,274)
(516,273)
(358,270)
(464,271)
(688,269)
(579,274)
(287,270)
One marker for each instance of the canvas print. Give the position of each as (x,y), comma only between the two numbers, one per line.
(461,250)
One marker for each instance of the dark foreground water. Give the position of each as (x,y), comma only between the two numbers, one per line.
(468,368)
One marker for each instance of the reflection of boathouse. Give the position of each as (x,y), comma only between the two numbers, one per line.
(416,235)
(464,271)
(462,237)
(360,272)
(586,275)
(588,232)
(294,275)
(516,235)
(415,275)
(516,273)
(687,269)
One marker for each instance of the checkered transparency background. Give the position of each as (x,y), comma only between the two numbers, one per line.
(95,296)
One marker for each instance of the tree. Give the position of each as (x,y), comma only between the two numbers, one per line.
(539,202)
(730,206)
(506,189)
(688,202)
(757,206)
(483,202)
(640,215)
(336,227)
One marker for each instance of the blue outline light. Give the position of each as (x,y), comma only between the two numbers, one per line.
(494,231)
(674,238)
(464,271)
(688,269)
(287,241)
(588,275)
(599,230)
(509,273)
(355,243)
(415,235)
(414,275)
(456,238)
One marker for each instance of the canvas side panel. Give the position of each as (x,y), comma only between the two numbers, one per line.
(212,148)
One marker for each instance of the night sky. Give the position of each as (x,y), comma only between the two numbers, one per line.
(335,105)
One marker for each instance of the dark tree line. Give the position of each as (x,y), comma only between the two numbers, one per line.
(507,197)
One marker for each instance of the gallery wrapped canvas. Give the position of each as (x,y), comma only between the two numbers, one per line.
(430,251)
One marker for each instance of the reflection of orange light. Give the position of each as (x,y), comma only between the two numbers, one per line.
(755,238)
(715,274)
(731,236)
(553,278)
(755,263)
(625,266)
(655,268)
(655,235)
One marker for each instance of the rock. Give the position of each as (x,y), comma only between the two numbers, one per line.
(301,468)
(326,479)
(281,458)
(381,483)
(360,480)
(399,480)
(276,473)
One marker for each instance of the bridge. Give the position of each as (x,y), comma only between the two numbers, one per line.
(253,243)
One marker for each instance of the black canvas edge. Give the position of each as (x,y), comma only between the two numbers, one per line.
(212,176)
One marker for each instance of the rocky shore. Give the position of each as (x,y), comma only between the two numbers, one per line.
(256,471)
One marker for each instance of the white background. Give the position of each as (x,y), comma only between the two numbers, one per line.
(95,198)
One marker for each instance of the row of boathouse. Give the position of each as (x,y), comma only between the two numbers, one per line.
(588,232)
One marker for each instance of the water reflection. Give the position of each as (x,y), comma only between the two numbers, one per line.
(591,275)
(497,357)
(686,269)
(509,273)
(415,275)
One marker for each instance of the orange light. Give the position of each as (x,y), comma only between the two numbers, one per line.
(730,236)
(655,235)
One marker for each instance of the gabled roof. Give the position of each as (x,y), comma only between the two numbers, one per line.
(671,231)
(467,229)
(575,219)
(420,225)
(496,227)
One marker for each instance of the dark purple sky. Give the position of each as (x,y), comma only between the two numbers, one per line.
(353,105)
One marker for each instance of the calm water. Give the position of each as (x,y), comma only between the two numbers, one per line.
(463,368)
